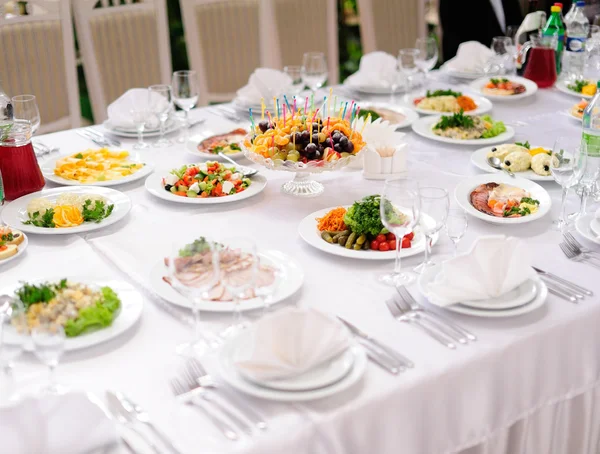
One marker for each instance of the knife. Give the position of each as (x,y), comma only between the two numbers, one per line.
(566,283)
(384,348)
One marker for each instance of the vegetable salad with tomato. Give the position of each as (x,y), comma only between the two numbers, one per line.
(207,179)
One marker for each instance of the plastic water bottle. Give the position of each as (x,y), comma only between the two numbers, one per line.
(578,28)
(591,140)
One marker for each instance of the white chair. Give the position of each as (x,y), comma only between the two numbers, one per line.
(225,42)
(38,57)
(304,26)
(123,46)
(390,25)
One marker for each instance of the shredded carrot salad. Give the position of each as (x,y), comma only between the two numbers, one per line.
(332,221)
(466,103)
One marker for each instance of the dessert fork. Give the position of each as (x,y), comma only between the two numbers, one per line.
(576,256)
(571,241)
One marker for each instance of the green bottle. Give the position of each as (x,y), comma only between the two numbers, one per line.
(555,27)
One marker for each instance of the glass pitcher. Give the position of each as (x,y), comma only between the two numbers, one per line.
(539,57)
(20,171)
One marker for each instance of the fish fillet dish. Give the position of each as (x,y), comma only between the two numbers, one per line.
(503,200)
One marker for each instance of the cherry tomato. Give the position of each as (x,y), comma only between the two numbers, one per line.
(380,238)
(405,243)
(375,245)
(392,244)
(390,236)
(384,247)
(410,236)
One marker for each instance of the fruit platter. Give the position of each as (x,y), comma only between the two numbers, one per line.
(305,141)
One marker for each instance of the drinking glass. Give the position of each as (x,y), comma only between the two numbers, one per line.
(511,31)
(400,209)
(239,264)
(185,94)
(266,292)
(25,108)
(140,113)
(567,166)
(428,54)
(295,73)
(456,226)
(161,105)
(505,53)
(588,182)
(435,204)
(49,344)
(194,272)
(15,320)
(407,63)
(314,70)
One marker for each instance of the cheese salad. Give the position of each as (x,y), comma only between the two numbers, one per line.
(91,166)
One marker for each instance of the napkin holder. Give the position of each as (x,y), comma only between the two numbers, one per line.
(377,167)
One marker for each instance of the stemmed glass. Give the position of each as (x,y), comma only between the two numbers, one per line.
(194,272)
(295,73)
(25,108)
(161,105)
(400,209)
(314,70)
(428,54)
(239,264)
(186,91)
(456,226)
(16,320)
(266,292)
(505,51)
(407,63)
(140,112)
(49,344)
(435,204)
(567,166)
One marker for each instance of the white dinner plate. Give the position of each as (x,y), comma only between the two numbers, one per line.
(530,87)
(410,116)
(230,374)
(155,187)
(583,225)
(192,144)
(20,250)
(307,229)
(462,74)
(15,213)
(540,290)
(479,159)
(483,105)
(132,134)
(244,106)
(129,313)
(463,190)
(49,165)
(291,283)
(323,375)
(424,126)
(595,226)
(562,86)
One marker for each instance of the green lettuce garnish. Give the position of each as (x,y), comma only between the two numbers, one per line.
(497,128)
(95,317)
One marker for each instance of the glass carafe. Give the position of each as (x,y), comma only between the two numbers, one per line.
(21,173)
(540,60)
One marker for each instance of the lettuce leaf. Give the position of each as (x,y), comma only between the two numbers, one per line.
(95,317)
(496,129)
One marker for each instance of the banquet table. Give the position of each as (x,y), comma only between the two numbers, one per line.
(529,385)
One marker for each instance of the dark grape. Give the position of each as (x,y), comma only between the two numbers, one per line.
(315,137)
(316,127)
(344,142)
(350,147)
(337,148)
(328,142)
(336,137)
(298,136)
(305,136)
(317,154)
(310,148)
(263,125)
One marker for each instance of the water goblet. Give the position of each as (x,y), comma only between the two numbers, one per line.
(49,345)
(186,91)
(314,70)
(456,226)
(567,166)
(407,64)
(25,108)
(295,73)
(428,54)
(161,105)
(435,204)
(266,290)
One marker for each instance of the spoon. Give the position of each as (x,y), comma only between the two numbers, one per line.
(246,171)
(497,164)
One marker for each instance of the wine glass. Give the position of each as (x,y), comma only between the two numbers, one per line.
(14,320)
(428,54)
(161,105)
(400,208)
(567,166)
(456,226)
(267,289)
(194,272)
(435,205)
(295,73)
(314,70)
(186,91)
(140,113)
(407,63)
(25,108)
(505,52)
(238,263)
(49,345)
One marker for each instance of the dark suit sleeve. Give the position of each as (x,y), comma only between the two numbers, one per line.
(451,20)
(512,12)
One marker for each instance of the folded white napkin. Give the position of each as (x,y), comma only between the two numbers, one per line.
(119,112)
(494,265)
(377,69)
(290,342)
(66,424)
(471,57)
(264,83)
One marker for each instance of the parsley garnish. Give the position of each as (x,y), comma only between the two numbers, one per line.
(433,94)
(458,120)
(530,201)
(45,220)
(499,81)
(43,293)
(235,146)
(96,213)
(578,85)
(78,156)
(525,145)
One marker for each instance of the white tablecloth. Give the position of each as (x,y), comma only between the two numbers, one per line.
(529,385)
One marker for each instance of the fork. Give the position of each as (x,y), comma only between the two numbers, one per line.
(416,319)
(228,113)
(571,241)
(103,137)
(99,142)
(179,389)
(437,318)
(576,256)
(203,379)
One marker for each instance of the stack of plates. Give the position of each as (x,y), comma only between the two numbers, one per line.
(588,226)
(525,298)
(130,132)
(329,378)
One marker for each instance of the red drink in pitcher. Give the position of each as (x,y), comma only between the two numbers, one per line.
(541,66)
(21,173)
